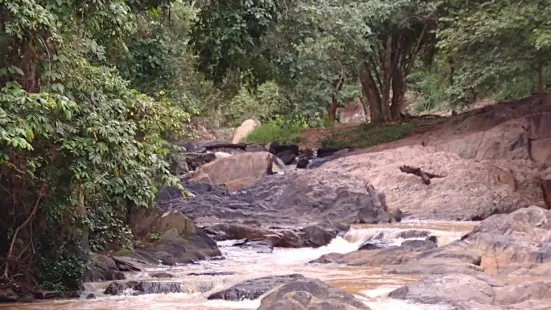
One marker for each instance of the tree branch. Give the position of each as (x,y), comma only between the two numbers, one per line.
(29,218)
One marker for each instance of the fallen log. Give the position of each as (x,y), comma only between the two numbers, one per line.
(425,176)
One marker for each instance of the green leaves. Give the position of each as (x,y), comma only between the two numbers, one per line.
(494,41)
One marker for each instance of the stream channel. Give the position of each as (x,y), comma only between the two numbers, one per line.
(368,284)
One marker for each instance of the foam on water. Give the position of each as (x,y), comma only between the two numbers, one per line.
(367,283)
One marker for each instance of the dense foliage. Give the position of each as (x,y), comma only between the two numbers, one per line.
(78,147)
(91,90)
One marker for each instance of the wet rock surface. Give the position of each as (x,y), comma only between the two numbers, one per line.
(281,209)
(252,289)
(310,294)
(154,287)
(104,268)
(393,255)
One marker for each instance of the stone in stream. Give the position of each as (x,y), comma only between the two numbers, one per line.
(8,295)
(408,250)
(252,289)
(310,294)
(104,268)
(161,275)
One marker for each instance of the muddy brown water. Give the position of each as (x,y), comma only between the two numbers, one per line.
(367,283)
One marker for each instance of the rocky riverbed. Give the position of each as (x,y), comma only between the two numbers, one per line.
(352,231)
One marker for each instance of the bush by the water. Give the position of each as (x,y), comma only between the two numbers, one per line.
(284,133)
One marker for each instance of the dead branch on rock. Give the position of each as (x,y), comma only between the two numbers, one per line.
(425,176)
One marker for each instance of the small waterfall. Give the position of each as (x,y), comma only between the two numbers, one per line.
(395,234)
(189,286)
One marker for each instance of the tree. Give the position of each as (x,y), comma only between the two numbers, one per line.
(78,147)
(400,32)
(493,40)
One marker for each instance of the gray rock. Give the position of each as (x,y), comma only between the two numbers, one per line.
(311,295)
(103,268)
(477,291)
(295,199)
(252,289)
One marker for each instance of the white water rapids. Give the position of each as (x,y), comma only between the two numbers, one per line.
(367,283)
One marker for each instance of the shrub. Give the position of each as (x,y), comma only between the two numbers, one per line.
(284,133)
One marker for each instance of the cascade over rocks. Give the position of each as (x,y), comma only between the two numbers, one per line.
(155,287)
(280,209)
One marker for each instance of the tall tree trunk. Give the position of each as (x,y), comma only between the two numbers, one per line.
(398,95)
(370,91)
(386,68)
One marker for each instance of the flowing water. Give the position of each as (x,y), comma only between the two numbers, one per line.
(367,283)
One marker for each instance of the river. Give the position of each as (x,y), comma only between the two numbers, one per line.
(366,283)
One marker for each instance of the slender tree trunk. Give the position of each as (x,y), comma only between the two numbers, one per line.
(332,109)
(386,68)
(370,91)
(451,63)
(540,78)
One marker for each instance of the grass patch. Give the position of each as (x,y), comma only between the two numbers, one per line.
(368,135)
(284,133)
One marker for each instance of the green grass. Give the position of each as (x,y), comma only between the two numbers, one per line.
(368,135)
(285,133)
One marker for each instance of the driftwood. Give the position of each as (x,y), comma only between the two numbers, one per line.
(425,176)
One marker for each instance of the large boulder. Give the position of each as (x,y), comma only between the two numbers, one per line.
(244,130)
(468,190)
(252,289)
(298,208)
(310,294)
(462,291)
(169,237)
(236,172)
(103,268)
(354,112)
(516,244)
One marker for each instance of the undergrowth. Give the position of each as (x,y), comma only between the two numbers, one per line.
(367,135)
(281,132)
